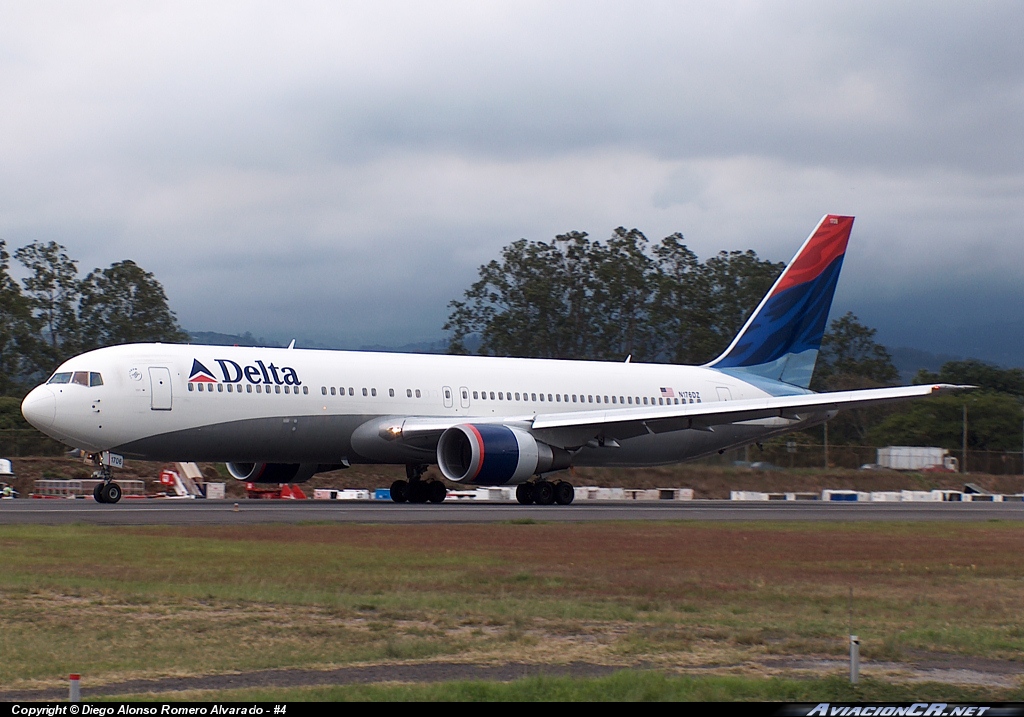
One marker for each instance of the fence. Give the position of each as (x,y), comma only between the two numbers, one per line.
(785,454)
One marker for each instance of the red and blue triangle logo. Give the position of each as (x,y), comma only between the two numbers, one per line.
(200,374)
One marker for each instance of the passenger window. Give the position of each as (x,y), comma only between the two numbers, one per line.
(199,386)
(542,398)
(191,387)
(277,389)
(286,390)
(305,390)
(492,395)
(64,377)
(475,395)
(248,388)
(230,388)
(590,399)
(417,393)
(408,393)
(259,388)
(81,378)
(465,395)
(517,396)
(533,397)
(95,379)
(558,397)
(391,392)
(549,397)
(220,388)
(365,392)
(373,392)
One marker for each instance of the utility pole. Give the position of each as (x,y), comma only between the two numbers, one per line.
(826,444)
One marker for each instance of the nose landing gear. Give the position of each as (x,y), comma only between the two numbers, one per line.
(106,491)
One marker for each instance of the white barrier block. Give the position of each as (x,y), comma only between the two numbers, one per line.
(747,495)
(921,495)
(886,496)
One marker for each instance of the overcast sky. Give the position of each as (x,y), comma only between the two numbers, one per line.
(340,170)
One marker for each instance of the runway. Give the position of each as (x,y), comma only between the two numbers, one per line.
(225,512)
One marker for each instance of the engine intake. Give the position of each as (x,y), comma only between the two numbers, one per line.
(487,454)
(272,472)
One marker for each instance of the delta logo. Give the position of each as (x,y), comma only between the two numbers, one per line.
(232,372)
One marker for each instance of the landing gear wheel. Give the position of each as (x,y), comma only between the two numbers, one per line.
(417,492)
(436,491)
(564,492)
(110,493)
(97,493)
(400,491)
(524,493)
(543,492)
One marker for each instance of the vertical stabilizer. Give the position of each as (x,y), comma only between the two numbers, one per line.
(780,341)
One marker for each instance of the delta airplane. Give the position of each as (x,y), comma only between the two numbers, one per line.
(282,415)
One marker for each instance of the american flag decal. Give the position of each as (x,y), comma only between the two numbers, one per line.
(668,393)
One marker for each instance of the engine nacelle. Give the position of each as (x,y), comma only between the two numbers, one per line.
(489,454)
(272,472)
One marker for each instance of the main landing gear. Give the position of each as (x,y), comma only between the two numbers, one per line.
(417,490)
(107,491)
(544,492)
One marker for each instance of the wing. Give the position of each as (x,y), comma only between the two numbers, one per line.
(578,428)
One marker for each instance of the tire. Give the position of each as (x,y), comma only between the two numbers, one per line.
(111,493)
(436,491)
(400,491)
(97,493)
(524,493)
(564,492)
(417,492)
(543,492)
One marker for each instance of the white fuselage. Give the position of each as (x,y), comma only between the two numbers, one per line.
(212,403)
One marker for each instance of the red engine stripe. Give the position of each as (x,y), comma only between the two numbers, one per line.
(480,445)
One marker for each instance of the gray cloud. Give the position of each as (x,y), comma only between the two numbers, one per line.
(342,170)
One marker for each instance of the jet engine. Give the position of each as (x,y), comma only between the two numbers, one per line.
(272,472)
(487,454)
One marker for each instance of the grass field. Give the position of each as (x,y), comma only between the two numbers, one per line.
(760,604)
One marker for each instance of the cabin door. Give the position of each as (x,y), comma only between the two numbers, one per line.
(160,388)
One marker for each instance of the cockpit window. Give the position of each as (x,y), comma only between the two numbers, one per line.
(82,378)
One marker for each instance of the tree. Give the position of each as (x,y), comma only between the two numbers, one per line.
(994,423)
(16,330)
(734,283)
(851,358)
(125,304)
(52,290)
(574,298)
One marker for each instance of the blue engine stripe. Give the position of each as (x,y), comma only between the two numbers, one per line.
(501,455)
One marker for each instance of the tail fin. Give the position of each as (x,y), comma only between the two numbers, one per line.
(780,341)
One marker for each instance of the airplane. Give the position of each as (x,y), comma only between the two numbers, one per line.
(282,415)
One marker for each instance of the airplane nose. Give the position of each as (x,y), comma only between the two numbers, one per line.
(40,407)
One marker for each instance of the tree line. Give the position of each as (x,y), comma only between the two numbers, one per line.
(577,298)
(52,313)
(583,299)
